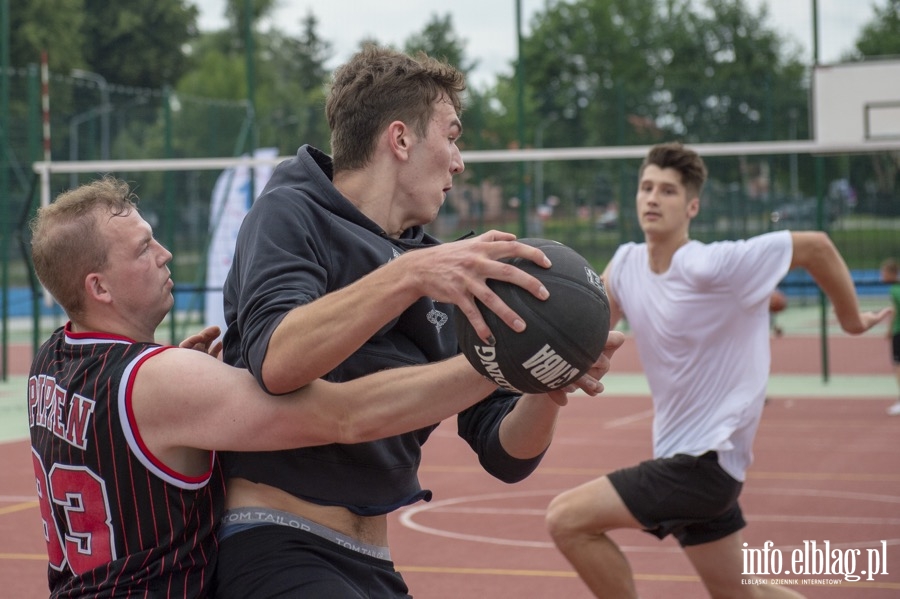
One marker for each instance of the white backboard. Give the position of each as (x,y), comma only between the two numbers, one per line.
(856,103)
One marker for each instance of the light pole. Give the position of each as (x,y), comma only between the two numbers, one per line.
(520,120)
(539,165)
(104,109)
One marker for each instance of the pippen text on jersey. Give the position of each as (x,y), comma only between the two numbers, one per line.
(66,417)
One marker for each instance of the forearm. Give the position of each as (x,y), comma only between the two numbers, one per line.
(528,428)
(815,252)
(314,338)
(399,400)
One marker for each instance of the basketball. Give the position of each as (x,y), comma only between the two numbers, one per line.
(564,335)
(777,301)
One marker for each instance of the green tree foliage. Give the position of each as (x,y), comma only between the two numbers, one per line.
(236,14)
(128,49)
(724,75)
(289,79)
(138,42)
(54,26)
(881,36)
(219,70)
(627,72)
(296,73)
(40,26)
(597,73)
(128,42)
(439,40)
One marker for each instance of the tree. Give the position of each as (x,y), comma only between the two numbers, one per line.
(289,79)
(722,71)
(881,37)
(439,40)
(626,72)
(54,26)
(128,42)
(292,107)
(138,42)
(726,76)
(236,13)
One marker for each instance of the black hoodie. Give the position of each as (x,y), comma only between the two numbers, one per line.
(300,240)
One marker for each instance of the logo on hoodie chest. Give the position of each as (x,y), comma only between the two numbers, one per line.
(434,316)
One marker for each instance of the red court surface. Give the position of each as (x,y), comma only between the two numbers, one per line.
(827,472)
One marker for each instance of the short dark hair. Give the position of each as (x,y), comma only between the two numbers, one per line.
(379,85)
(676,156)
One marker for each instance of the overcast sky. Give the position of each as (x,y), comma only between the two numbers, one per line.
(489,26)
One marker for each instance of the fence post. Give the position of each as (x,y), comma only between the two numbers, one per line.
(6,213)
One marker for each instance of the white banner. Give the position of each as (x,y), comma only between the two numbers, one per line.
(231,198)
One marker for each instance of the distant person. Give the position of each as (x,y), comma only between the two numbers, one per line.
(889,270)
(609,219)
(124,431)
(699,314)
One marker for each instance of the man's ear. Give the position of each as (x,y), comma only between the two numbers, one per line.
(693,206)
(96,289)
(399,139)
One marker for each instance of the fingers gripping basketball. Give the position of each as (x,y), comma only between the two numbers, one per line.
(564,335)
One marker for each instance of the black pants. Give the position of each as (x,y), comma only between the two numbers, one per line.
(269,562)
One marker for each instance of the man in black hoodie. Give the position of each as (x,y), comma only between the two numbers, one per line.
(332,263)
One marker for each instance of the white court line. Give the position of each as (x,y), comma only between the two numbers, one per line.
(626,420)
(764,518)
(17,498)
(453,505)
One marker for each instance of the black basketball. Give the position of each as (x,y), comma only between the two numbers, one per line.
(564,334)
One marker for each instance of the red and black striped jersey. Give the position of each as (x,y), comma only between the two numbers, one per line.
(117,521)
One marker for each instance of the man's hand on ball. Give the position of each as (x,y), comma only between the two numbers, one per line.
(590,380)
(458,272)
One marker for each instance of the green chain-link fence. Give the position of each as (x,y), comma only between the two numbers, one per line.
(587,204)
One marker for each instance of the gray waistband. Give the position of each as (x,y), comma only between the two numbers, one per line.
(260,515)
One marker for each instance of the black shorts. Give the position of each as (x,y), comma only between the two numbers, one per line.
(272,561)
(895,348)
(690,497)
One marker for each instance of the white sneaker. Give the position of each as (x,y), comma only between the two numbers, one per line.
(894,409)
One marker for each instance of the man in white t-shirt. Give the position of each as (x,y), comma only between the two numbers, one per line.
(700,318)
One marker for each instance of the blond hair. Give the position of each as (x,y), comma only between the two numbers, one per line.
(67,240)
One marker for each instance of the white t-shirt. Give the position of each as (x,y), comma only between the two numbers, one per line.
(702,333)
